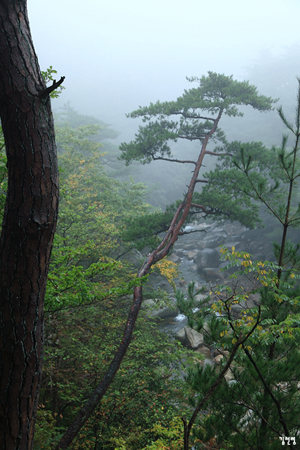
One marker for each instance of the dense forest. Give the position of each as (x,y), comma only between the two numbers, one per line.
(157,311)
(164,395)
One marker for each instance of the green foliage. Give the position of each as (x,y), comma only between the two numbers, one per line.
(171,436)
(48,76)
(46,432)
(261,391)
(86,306)
(144,229)
(192,117)
(258,400)
(93,210)
(216,93)
(148,389)
(231,193)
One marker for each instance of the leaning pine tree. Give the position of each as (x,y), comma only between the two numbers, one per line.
(195,116)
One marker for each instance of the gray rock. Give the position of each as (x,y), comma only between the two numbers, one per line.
(190,338)
(270,257)
(199,297)
(219,230)
(259,257)
(134,257)
(163,313)
(217,359)
(213,241)
(229,376)
(209,257)
(193,338)
(191,255)
(228,271)
(213,274)
(204,351)
(236,310)
(231,244)
(156,280)
(189,247)
(180,335)
(174,258)
(206,362)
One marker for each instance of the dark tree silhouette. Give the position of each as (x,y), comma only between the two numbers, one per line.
(28,226)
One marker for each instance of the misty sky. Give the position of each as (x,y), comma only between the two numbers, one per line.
(117,54)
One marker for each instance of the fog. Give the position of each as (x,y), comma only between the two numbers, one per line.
(119,55)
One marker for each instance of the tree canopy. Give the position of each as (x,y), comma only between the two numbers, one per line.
(192,116)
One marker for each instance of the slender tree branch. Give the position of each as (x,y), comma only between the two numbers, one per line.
(188,427)
(192,116)
(262,199)
(201,137)
(173,160)
(202,181)
(218,154)
(281,419)
(288,206)
(195,205)
(240,341)
(252,404)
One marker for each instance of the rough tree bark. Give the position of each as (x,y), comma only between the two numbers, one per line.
(28,227)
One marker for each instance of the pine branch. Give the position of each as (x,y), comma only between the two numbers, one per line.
(202,181)
(173,160)
(218,154)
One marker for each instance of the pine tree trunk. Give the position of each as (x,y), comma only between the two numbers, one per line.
(28,226)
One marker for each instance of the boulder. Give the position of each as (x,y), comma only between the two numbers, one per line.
(213,241)
(208,257)
(216,352)
(270,257)
(204,351)
(199,297)
(229,376)
(134,257)
(236,310)
(237,245)
(193,338)
(162,313)
(174,258)
(206,361)
(212,274)
(180,335)
(217,359)
(228,271)
(189,247)
(190,338)
(155,281)
(191,255)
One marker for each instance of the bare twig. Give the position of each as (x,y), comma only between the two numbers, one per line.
(52,88)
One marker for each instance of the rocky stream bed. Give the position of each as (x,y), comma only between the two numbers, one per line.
(198,255)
